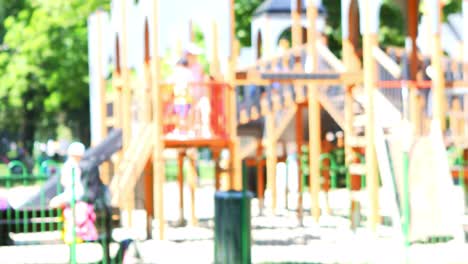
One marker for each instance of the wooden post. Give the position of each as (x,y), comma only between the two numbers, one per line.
(284,159)
(370,41)
(413,11)
(296,28)
(456,123)
(214,66)
(149,206)
(438,80)
(158,160)
(104,169)
(299,142)
(126,105)
(352,63)
(424,120)
(180,182)
(260,176)
(216,155)
(236,166)
(314,113)
(125,80)
(192,181)
(272,158)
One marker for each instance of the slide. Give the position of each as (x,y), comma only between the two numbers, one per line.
(435,204)
(92,158)
(132,164)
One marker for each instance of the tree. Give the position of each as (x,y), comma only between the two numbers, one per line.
(9,8)
(244,10)
(44,68)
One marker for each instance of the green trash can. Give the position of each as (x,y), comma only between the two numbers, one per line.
(232,227)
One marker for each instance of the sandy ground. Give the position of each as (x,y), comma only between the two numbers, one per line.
(275,238)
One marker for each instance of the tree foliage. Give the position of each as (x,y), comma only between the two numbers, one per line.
(244,10)
(44,68)
(44,58)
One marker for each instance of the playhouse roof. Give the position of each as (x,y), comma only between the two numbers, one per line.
(280,7)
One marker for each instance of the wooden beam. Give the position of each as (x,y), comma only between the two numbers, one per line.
(126,102)
(216,156)
(296,28)
(332,110)
(349,57)
(260,177)
(180,183)
(270,57)
(412,16)
(299,142)
(158,160)
(192,179)
(285,120)
(388,63)
(104,168)
(236,173)
(331,59)
(314,113)
(438,102)
(149,205)
(370,41)
(271,157)
(415,113)
(214,66)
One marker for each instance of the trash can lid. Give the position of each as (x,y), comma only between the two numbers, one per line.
(231,194)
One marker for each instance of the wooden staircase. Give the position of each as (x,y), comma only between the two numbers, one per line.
(132,164)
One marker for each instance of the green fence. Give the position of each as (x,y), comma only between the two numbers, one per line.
(33,216)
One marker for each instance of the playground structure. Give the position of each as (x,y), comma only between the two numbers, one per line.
(369,98)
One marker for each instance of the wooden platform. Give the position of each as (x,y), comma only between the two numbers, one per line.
(197,143)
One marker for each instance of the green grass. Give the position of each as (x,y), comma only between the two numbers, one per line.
(206,170)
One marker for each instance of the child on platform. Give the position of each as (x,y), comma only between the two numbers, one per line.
(181,79)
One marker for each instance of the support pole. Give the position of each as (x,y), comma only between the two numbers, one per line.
(349,57)
(314,112)
(465,40)
(413,11)
(192,181)
(149,206)
(299,142)
(284,159)
(158,161)
(438,80)
(465,60)
(104,169)
(272,158)
(296,28)
(126,106)
(260,177)
(236,166)
(370,40)
(216,156)
(214,66)
(180,182)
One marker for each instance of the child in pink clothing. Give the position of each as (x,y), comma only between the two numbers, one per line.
(200,92)
(85,217)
